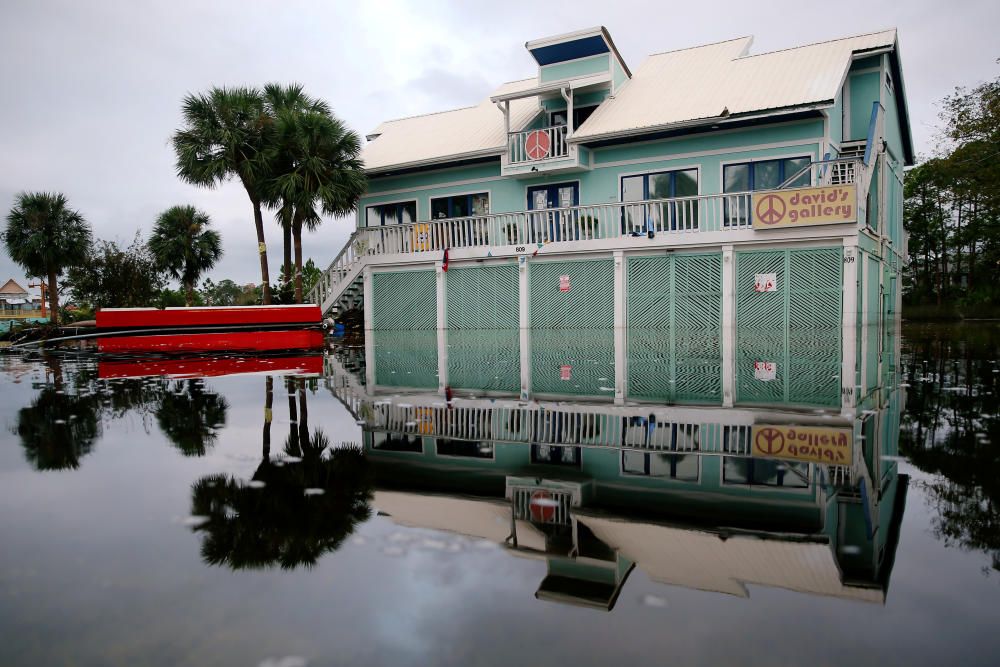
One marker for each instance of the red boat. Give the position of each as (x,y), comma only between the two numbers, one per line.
(209,329)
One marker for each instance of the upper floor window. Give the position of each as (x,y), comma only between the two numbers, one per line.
(460,206)
(391,214)
(764,174)
(660,185)
(580,115)
(759,175)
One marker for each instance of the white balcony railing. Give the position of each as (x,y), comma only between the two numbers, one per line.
(682,215)
(541,144)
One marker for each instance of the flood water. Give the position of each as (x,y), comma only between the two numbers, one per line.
(284,511)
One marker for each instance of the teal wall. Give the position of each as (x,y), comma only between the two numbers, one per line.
(864,91)
(601,184)
(574,68)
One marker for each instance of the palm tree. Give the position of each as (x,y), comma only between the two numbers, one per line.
(321,171)
(45,237)
(190,416)
(184,246)
(224,136)
(279,99)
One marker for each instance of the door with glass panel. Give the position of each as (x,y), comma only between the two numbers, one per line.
(666,201)
(548,215)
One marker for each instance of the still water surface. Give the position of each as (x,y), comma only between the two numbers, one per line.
(276,511)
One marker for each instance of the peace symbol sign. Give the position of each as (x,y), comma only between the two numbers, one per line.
(770,209)
(537,145)
(770,441)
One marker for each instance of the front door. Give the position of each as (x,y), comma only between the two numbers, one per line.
(557,224)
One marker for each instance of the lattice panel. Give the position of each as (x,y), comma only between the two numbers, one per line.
(484,360)
(483,297)
(577,362)
(674,314)
(406,358)
(589,303)
(404,300)
(797,327)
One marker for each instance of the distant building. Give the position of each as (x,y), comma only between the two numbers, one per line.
(17,304)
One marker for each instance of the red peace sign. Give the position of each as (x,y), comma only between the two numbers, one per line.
(542,506)
(537,145)
(770,441)
(771,209)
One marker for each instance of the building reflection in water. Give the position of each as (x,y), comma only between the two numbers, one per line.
(769,472)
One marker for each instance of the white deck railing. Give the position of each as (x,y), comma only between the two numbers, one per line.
(681,215)
(543,143)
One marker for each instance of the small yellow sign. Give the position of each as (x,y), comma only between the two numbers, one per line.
(800,207)
(830,446)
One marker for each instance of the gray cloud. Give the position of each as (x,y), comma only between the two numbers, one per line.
(93,90)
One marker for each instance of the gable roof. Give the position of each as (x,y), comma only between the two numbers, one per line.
(726,82)
(669,90)
(449,135)
(12,287)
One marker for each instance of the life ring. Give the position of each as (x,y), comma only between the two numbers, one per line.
(421,237)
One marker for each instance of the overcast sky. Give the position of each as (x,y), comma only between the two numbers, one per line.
(92,90)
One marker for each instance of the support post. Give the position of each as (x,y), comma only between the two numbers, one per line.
(524,323)
(848,371)
(728,326)
(442,325)
(621,372)
(369,333)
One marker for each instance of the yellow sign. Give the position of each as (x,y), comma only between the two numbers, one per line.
(421,237)
(830,446)
(800,207)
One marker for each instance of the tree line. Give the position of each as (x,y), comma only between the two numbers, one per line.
(952,208)
(287,150)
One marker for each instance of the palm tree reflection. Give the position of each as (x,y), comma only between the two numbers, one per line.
(293,510)
(189,415)
(60,425)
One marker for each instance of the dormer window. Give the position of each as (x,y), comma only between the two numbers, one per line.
(580,115)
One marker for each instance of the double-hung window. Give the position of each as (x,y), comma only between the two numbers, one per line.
(660,215)
(391,214)
(745,177)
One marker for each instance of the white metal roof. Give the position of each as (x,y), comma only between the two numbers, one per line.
(688,86)
(460,134)
(720,80)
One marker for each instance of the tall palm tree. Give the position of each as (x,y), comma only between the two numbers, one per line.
(278,99)
(322,172)
(184,246)
(224,136)
(45,236)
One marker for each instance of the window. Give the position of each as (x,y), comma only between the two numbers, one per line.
(580,115)
(683,467)
(761,175)
(464,449)
(398,442)
(765,472)
(460,206)
(661,185)
(559,455)
(391,214)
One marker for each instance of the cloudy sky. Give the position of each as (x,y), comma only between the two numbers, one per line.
(93,89)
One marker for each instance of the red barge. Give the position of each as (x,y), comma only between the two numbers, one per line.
(210,329)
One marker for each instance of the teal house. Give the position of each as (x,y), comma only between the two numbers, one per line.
(736,209)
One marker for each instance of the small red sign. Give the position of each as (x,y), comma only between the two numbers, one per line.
(563,283)
(542,506)
(566,373)
(537,145)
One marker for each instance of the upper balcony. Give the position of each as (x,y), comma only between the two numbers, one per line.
(545,149)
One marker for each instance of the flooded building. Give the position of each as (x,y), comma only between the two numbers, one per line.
(709,196)
(19,305)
